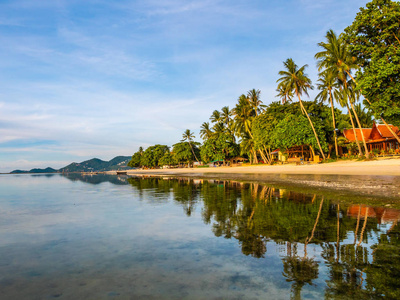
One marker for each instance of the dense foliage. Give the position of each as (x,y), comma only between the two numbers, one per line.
(374,39)
(359,70)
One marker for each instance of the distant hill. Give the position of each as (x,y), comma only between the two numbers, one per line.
(96,165)
(91,165)
(47,170)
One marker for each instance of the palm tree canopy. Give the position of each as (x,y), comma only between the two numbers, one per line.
(253,97)
(205,131)
(327,84)
(335,55)
(187,135)
(283,94)
(215,117)
(294,79)
(226,115)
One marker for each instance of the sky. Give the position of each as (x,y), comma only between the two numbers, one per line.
(97,78)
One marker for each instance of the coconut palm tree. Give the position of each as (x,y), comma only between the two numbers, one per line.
(253,97)
(326,84)
(188,135)
(295,80)
(205,131)
(336,58)
(215,117)
(226,115)
(284,95)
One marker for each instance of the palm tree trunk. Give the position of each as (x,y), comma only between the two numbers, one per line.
(391,131)
(354,130)
(193,152)
(312,126)
(362,134)
(334,123)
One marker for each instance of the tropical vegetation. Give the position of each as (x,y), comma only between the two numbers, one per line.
(359,72)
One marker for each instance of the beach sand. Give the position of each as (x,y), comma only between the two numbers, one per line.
(380,167)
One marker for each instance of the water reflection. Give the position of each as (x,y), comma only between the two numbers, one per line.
(355,247)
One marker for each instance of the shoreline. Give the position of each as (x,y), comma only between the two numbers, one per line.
(377,180)
(381,167)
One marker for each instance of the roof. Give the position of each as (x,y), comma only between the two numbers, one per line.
(378,133)
(349,134)
(385,132)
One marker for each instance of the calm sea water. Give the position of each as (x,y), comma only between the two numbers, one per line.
(75,237)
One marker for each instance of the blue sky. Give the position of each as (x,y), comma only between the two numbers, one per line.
(83,79)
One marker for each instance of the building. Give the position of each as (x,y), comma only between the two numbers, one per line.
(378,137)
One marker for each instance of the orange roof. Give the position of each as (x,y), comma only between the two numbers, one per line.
(349,134)
(385,132)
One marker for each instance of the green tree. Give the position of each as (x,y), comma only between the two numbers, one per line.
(293,131)
(183,153)
(152,155)
(374,38)
(167,160)
(136,159)
(294,79)
(221,146)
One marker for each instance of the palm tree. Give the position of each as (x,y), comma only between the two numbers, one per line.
(253,97)
(243,116)
(215,117)
(187,135)
(327,83)
(365,116)
(295,80)
(205,131)
(336,58)
(226,115)
(284,95)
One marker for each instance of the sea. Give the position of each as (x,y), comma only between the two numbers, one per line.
(74,236)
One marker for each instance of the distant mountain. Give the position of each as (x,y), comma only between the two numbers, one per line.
(47,170)
(91,165)
(96,165)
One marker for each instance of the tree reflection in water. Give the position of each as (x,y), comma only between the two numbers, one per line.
(361,256)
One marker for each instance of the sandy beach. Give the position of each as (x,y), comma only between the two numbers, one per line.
(380,167)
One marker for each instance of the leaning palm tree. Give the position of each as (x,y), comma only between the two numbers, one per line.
(326,84)
(336,58)
(294,79)
(188,135)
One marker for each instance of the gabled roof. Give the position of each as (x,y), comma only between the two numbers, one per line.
(384,131)
(349,134)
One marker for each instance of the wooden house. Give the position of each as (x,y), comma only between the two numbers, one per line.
(378,137)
